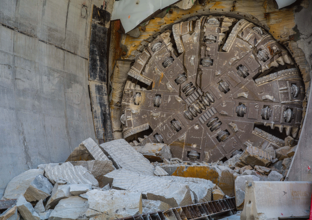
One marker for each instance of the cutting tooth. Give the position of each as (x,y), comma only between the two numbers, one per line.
(294,132)
(280,60)
(288,129)
(272,125)
(274,64)
(280,127)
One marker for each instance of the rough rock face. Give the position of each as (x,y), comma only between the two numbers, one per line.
(40,188)
(240,186)
(155,151)
(255,156)
(26,210)
(69,173)
(70,208)
(201,188)
(86,150)
(113,204)
(59,192)
(150,206)
(125,156)
(97,168)
(154,188)
(19,184)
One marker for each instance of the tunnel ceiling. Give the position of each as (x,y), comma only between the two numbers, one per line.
(210,86)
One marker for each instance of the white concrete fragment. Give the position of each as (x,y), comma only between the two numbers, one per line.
(45,215)
(10,214)
(154,188)
(19,184)
(240,186)
(113,204)
(26,210)
(150,206)
(59,192)
(160,171)
(94,149)
(201,188)
(69,173)
(69,209)
(39,207)
(275,176)
(155,150)
(39,188)
(125,156)
(77,189)
(277,199)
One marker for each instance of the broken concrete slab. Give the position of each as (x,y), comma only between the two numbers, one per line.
(262,170)
(290,199)
(275,176)
(217,193)
(39,188)
(70,209)
(97,168)
(281,153)
(255,156)
(232,161)
(45,215)
(59,192)
(39,207)
(240,186)
(160,171)
(19,184)
(155,151)
(125,156)
(70,173)
(77,189)
(113,204)
(201,188)
(26,210)
(152,187)
(151,206)
(87,150)
(10,214)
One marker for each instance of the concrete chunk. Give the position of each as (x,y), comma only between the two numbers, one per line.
(69,209)
(155,151)
(59,192)
(10,214)
(40,188)
(113,204)
(254,156)
(217,193)
(160,171)
(290,199)
(240,186)
(39,208)
(69,173)
(150,206)
(77,189)
(275,176)
(153,188)
(125,156)
(19,184)
(97,168)
(88,149)
(26,210)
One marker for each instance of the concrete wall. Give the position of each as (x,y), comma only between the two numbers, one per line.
(45,108)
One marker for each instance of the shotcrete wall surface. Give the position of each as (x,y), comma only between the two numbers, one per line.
(45,107)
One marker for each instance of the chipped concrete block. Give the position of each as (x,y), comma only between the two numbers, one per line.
(87,150)
(275,176)
(19,184)
(201,188)
(160,171)
(39,207)
(26,210)
(59,192)
(39,188)
(262,170)
(77,189)
(125,156)
(113,204)
(240,186)
(69,209)
(255,156)
(70,173)
(154,188)
(155,151)
(217,193)
(97,168)
(10,214)
(281,153)
(226,180)
(150,206)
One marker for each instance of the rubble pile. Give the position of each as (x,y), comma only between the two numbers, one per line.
(113,180)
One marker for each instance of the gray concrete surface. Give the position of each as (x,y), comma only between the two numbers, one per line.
(45,107)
